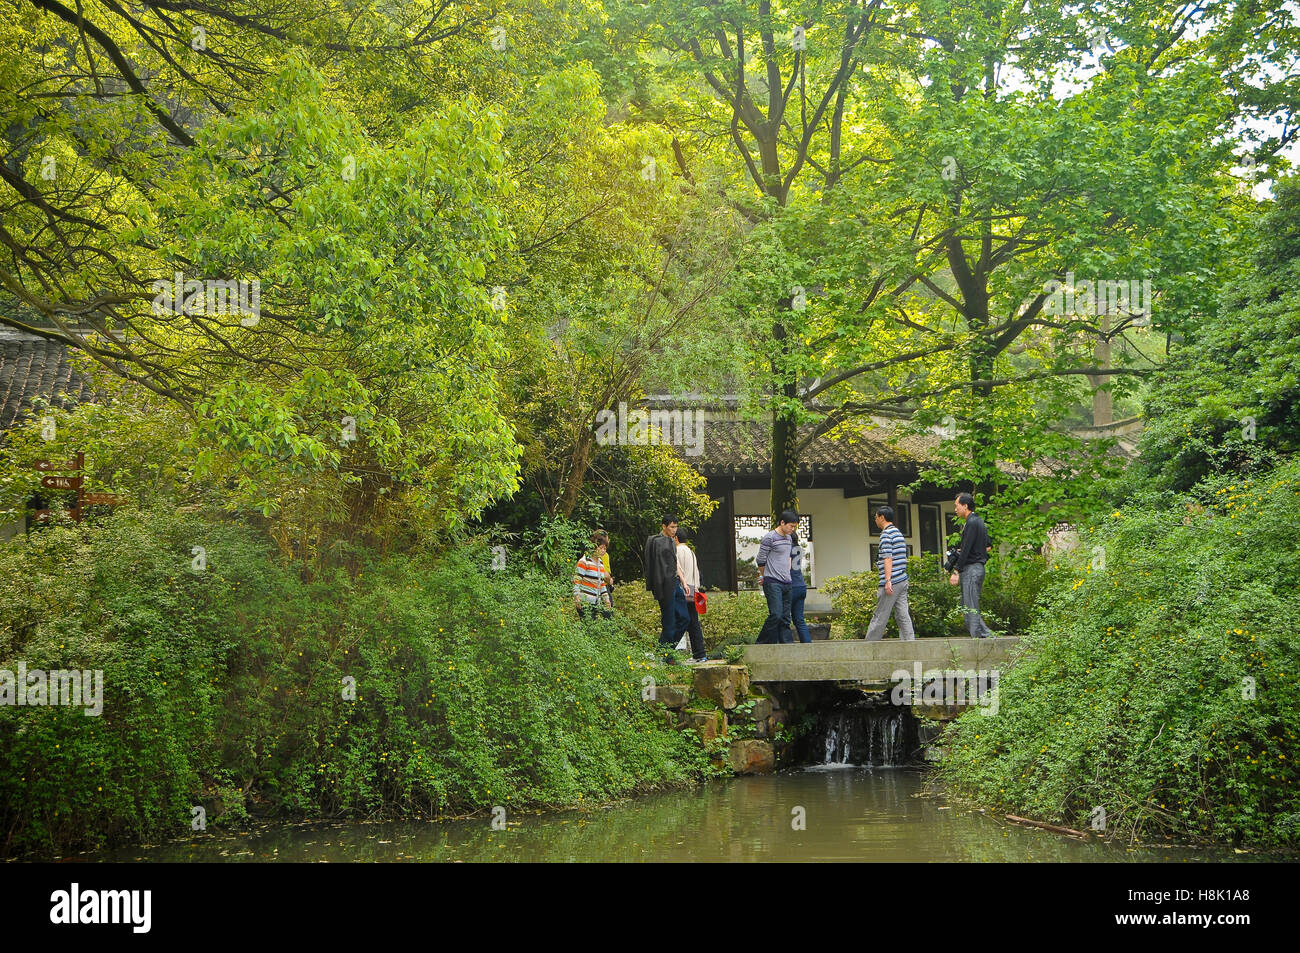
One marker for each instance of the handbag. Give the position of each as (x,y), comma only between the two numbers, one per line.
(701,602)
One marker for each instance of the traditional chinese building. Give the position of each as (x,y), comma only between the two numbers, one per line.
(34,371)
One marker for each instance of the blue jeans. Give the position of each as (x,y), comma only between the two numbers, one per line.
(668,617)
(777,625)
(798,593)
(688,621)
(972,582)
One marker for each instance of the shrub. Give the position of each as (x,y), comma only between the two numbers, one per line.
(472,688)
(122,598)
(1161,688)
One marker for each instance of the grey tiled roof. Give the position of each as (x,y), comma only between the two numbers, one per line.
(744,447)
(33,367)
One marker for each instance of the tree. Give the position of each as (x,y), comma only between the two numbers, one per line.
(749,76)
(613,281)
(966,192)
(285,160)
(1229,399)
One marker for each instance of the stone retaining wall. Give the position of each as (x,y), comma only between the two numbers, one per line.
(721,703)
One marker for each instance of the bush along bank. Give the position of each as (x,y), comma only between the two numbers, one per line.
(1158,693)
(420,687)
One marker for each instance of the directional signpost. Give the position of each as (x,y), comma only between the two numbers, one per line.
(46,465)
(107,499)
(57,481)
(61,482)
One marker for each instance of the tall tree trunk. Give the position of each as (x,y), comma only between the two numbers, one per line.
(785,451)
(973,285)
(1103,411)
(785,460)
(579,462)
(981,374)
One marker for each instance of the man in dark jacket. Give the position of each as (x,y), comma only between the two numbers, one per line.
(967,565)
(661,578)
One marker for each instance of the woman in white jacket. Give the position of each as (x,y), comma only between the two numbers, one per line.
(688,571)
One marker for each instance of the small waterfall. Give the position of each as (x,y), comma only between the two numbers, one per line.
(861,731)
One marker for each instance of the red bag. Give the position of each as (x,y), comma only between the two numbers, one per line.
(701,602)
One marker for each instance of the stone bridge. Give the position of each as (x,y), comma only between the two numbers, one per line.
(873,663)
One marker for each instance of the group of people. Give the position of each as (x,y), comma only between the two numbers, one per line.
(672,575)
(780,565)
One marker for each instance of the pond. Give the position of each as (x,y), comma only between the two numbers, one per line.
(848,813)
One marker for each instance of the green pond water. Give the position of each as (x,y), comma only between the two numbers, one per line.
(849,814)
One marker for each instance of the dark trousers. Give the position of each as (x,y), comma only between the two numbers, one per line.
(776,628)
(798,593)
(668,621)
(972,583)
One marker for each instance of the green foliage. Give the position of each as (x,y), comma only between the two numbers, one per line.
(1229,401)
(122,599)
(627,492)
(555,544)
(473,688)
(129,444)
(1161,688)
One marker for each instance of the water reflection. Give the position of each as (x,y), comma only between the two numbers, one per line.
(851,814)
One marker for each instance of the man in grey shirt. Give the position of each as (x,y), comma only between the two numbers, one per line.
(774,576)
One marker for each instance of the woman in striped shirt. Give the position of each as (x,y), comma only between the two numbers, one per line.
(590,593)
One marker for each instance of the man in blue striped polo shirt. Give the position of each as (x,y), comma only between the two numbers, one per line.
(892,594)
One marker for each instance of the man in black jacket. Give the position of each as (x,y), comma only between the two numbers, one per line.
(967,565)
(661,578)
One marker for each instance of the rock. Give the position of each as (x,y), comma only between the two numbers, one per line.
(819,631)
(751,756)
(671,696)
(709,724)
(759,715)
(938,713)
(722,684)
